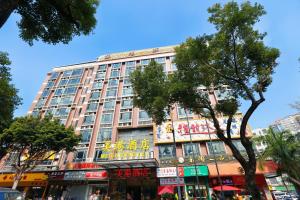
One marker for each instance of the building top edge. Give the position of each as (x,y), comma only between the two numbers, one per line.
(137,53)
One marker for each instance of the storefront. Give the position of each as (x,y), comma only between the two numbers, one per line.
(78,185)
(232,174)
(33,184)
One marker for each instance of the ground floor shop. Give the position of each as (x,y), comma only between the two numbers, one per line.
(32,184)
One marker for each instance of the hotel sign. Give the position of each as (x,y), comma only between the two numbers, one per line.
(199,129)
(171,181)
(169,171)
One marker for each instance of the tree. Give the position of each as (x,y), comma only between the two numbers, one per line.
(52,21)
(9,99)
(36,139)
(284,149)
(236,57)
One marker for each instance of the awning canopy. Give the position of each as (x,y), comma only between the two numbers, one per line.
(123,164)
(165,189)
(226,188)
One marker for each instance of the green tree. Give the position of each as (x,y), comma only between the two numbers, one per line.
(236,57)
(284,149)
(9,99)
(52,21)
(36,139)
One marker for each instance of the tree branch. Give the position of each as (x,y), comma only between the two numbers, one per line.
(6,8)
(228,127)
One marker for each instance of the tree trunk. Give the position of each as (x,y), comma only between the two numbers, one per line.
(6,8)
(17,179)
(250,182)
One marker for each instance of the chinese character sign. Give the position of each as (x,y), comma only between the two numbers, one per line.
(199,129)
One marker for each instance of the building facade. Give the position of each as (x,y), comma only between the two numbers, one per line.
(121,151)
(291,123)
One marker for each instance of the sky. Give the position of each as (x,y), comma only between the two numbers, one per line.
(124,25)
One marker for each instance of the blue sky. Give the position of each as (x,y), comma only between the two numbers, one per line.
(137,24)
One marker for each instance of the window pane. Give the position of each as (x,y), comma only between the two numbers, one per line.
(59,91)
(74,81)
(127,91)
(216,147)
(89,119)
(77,72)
(145,62)
(143,115)
(54,75)
(95,95)
(130,63)
(67,73)
(166,151)
(127,81)
(113,82)
(40,103)
(80,155)
(63,82)
(160,60)
(129,70)
(127,103)
(114,74)
(70,90)
(50,84)
(111,92)
(107,118)
(125,117)
(104,134)
(45,93)
(116,65)
(189,149)
(92,107)
(66,100)
(108,105)
(97,85)
(100,154)
(102,67)
(100,75)
(86,135)
(238,145)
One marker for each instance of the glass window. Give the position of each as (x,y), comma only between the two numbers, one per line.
(216,147)
(145,62)
(89,119)
(35,113)
(160,60)
(114,74)
(100,75)
(50,84)
(108,105)
(66,100)
(59,91)
(190,148)
(125,117)
(67,73)
(127,91)
(113,82)
(130,63)
(49,112)
(45,93)
(107,118)
(166,151)
(62,111)
(129,70)
(63,82)
(70,90)
(102,67)
(100,154)
(143,115)
(54,101)
(127,81)
(173,67)
(95,95)
(127,103)
(111,92)
(74,81)
(116,65)
(181,112)
(77,72)
(238,145)
(97,85)
(104,134)
(92,107)
(86,135)
(54,75)
(80,155)
(40,103)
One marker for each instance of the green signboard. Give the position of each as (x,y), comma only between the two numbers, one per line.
(190,171)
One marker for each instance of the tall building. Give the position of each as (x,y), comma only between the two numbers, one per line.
(121,151)
(260,146)
(291,123)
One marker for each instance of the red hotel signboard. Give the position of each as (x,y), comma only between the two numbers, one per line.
(131,173)
(99,175)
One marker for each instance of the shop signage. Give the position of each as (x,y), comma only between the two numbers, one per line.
(25,177)
(191,171)
(225,181)
(127,173)
(58,175)
(171,181)
(199,129)
(99,175)
(85,166)
(77,175)
(169,172)
(125,150)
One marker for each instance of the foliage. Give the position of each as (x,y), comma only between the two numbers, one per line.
(284,149)
(234,57)
(168,196)
(52,21)
(9,99)
(35,139)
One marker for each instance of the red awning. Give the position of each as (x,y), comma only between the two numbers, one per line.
(226,188)
(165,189)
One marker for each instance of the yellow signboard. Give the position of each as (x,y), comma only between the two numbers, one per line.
(26,180)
